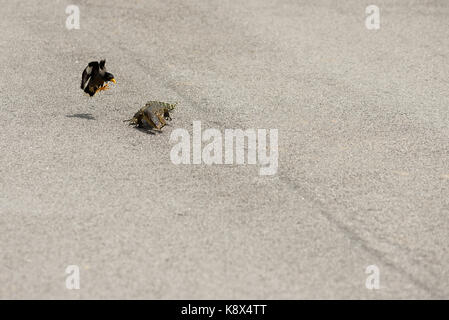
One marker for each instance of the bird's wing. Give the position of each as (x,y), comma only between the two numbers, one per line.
(92,66)
(102,67)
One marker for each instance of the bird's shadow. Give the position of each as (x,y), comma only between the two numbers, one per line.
(86,116)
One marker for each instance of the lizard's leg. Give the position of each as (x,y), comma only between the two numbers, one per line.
(162,120)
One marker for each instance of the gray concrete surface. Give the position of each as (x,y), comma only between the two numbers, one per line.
(363,173)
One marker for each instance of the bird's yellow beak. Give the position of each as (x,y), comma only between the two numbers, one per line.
(113,80)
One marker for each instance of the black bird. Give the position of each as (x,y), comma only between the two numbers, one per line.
(98,75)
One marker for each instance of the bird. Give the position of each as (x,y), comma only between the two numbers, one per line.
(96,74)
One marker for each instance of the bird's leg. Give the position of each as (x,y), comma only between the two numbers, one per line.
(104,87)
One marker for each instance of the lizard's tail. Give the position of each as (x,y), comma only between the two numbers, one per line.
(171,106)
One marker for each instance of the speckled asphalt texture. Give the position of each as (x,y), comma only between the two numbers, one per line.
(363,178)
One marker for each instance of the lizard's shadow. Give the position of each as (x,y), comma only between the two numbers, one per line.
(147,130)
